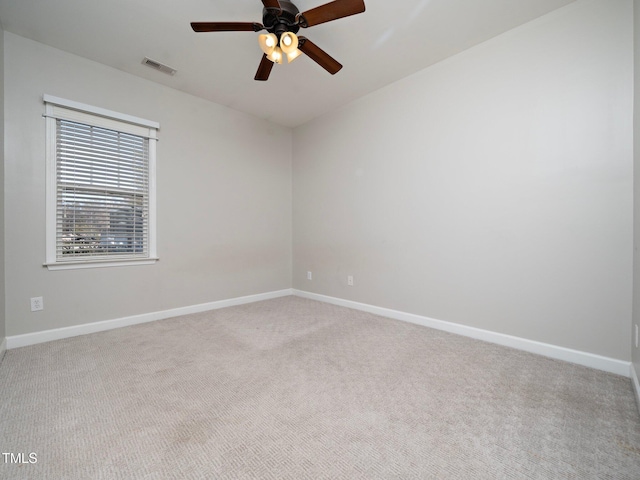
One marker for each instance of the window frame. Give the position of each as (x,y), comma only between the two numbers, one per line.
(61,109)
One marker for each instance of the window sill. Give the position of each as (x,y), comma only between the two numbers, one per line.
(99,264)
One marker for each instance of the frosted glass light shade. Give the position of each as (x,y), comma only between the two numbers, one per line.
(291,56)
(268,42)
(276,55)
(288,42)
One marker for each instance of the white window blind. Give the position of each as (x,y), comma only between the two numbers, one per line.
(102,193)
(101,198)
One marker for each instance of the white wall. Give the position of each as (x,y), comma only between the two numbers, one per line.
(2,255)
(493,189)
(224,197)
(636,171)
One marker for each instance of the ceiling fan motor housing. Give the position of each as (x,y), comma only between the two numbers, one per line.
(280,21)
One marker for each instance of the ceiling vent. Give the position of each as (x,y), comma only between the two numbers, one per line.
(158,66)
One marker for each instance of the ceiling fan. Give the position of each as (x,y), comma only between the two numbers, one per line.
(282,20)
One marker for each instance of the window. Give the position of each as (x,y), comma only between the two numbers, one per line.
(100,187)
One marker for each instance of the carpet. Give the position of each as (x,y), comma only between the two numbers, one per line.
(292,388)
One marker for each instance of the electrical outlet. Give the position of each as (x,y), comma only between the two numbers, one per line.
(350,280)
(309,276)
(636,335)
(37,304)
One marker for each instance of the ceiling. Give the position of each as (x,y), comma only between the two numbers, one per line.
(390,40)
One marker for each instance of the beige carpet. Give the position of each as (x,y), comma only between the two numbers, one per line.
(295,389)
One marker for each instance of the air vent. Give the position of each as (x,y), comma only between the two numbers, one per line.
(158,66)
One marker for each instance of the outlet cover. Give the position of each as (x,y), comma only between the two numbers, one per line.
(350,280)
(309,276)
(37,304)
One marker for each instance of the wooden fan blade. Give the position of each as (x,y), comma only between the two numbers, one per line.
(264,69)
(331,11)
(318,55)
(226,27)
(272,4)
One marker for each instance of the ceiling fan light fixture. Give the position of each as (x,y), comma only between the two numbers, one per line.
(268,42)
(291,56)
(276,55)
(289,42)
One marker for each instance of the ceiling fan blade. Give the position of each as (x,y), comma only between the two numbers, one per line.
(226,27)
(264,69)
(272,4)
(318,55)
(331,11)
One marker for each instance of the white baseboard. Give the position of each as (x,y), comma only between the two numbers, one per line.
(636,385)
(24,340)
(599,362)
